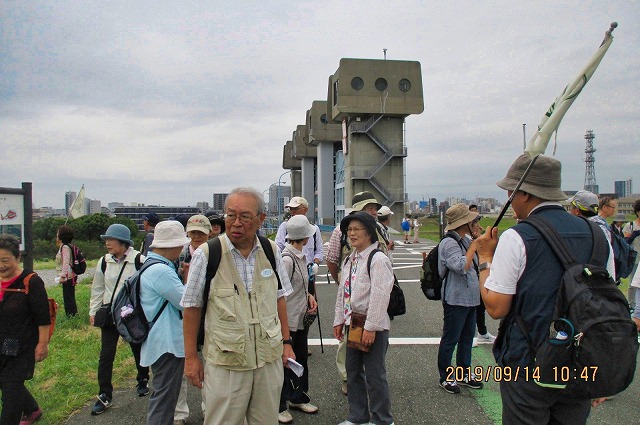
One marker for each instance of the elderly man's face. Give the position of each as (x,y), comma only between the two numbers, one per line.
(242,220)
(372,209)
(299,210)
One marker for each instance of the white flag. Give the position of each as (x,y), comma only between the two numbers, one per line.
(77,208)
(551,120)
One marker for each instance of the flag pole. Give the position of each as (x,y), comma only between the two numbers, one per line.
(513,194)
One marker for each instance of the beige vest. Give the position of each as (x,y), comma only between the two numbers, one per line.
(242,330)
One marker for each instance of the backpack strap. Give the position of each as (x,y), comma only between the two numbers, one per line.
(214,256)
(145,266)
(285,254)
(369,260)
(25,282)
(268,250)
(137,261)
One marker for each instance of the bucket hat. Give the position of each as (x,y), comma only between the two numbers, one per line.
(458,215)
(360,200)
(543,180)
(119,232)
(585,201)
(298,227)
(169,234)
(297,201)
(200,223)
(367,221)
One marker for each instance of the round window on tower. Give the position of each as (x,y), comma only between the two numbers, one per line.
(404,85)
(357,83)
(381,84)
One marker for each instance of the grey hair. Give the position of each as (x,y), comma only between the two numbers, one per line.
(248,191)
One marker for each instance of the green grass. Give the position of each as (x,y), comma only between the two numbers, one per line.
(67,379)
(51,264)
(430,229)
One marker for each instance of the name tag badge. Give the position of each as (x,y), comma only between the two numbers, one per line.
(266,272)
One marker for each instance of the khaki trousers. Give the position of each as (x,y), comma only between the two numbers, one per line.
(233,396)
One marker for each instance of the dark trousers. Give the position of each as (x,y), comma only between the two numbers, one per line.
(167,379)
(301,350)
(458,329)
(16,401)
(369,398)
(480,318)
(69,298)
(526,403)
(110,338)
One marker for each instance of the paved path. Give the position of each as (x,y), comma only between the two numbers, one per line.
(411,364)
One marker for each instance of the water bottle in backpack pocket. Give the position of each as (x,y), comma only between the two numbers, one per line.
(555,354)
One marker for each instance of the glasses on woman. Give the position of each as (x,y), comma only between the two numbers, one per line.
(354,229)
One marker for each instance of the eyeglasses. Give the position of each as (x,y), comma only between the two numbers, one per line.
(244,218)
(610,206)
(354,229)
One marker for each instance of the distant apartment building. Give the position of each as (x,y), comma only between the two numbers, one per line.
(623,188)
(113,205)
(69,197)
(137,213)
(202,206)
(93,206)
(218,201)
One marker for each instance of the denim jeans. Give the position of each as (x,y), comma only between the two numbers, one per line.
(458,329)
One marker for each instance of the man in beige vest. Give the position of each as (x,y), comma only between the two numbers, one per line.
(246,340)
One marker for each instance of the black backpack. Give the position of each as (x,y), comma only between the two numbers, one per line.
(624,256)
(397,305)
(431,282)
(134,326)
(215,255)
(592,345)
(78,262)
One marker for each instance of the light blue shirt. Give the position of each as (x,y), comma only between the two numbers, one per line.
(160,282)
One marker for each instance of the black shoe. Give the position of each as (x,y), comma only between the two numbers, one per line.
(450,387)
(143,387)
(471,382)
(101,405)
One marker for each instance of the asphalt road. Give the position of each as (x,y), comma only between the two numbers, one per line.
(411,365)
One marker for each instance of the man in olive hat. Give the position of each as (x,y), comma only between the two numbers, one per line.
(520,274)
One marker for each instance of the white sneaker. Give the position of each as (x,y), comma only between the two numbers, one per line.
(285,417)
(475,342)
(486,337)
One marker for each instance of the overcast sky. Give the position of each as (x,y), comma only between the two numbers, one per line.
(167,102)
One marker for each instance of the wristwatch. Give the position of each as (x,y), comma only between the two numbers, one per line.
(485,265)
(287,341)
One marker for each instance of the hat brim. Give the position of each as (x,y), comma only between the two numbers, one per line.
(544,193)
(310,232)
(170,243)
(461,221)
(203,229)
(358,206)
(105,237)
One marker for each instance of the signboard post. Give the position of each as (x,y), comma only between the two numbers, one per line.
(16,218)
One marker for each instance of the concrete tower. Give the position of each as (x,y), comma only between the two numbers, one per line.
(370,99)
(590,169)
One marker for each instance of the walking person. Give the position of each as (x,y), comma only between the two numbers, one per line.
(119,263)
(365,292)
(630,231)
(415,225)
(24,334)
(64,260)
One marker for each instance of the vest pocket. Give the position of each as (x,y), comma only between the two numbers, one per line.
(273,334)
(225,304)
(229,343)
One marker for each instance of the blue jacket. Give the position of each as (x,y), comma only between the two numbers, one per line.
(160,282)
